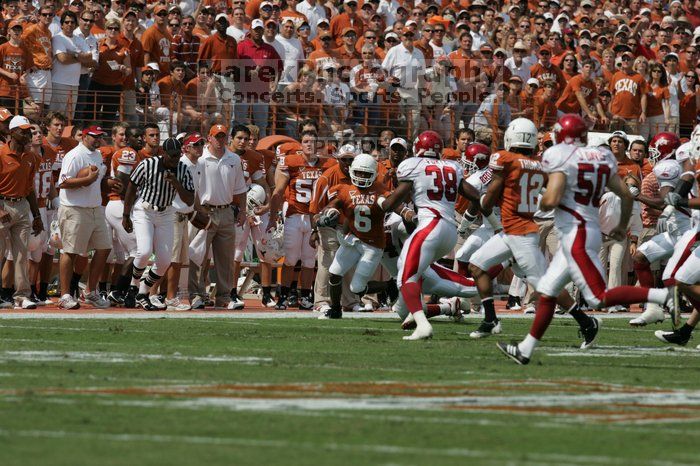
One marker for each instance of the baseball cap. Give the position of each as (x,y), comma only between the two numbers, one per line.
(501,51)
(670,56)
(515,77)
(347,2)
(618,134)
(257,23)
(347,30)
(322,20)
(533,82)
(513,7)
(221,15)
(218,129)
(5,114)
(519,45)
(346,149)
(159,8)
(150,67)
(129,13)
(19,121)
(93,130)
(15,23)
(391,35)
(400,141)
(192,138)
(172,146)
(587,3)
(583,42)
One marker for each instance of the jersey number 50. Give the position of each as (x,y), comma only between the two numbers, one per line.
(444,183)
(592,180)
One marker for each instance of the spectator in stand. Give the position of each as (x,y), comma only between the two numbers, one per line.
(116,10)
(36,38)
(237,29)
(629,97)
(545,70)
(15,62)
(201,95)
(517,64)
(185,47)
(365,80)
(203,28)
(658,101)
(304,34)
(98,28)
(301,100)
(322,26)
(173,26)
(220,50)
(291,51)
(156,41)
(85,21)
(172,92)
(569,66)
(405,67)
(641,66)
(346,54)
(580,96)
(71,53)
(325,54)
(148,92)
(545,109)
(260,66)
(347,19)
(106,85)
(129,40)
(313,11)
(493,116)
(675,88)
(689,104)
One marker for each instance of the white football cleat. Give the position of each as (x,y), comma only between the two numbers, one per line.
(423,332)
(653,314)
(409,323)
(530,309)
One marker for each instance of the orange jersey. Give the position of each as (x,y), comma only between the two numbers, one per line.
(253,166)
(123,160)
(523,180)
(627,167)
(366,218)
(553,73)
(288,148)
(58,151)
(302,176)
(44,177)
(269,158)
(322,192)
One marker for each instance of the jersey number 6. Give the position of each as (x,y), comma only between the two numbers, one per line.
(444,183)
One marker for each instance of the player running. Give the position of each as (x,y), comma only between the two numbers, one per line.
(578,176)
(433,185)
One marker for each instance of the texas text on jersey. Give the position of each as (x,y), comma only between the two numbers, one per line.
(302,176)
(365,217)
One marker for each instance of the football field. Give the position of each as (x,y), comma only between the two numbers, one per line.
(110,390)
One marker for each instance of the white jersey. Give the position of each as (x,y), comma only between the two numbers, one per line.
(587,171)
(435,185)
(480,180)
(668,172)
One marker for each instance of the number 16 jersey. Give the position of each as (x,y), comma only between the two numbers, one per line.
(587,171)
(435,185)
(523,180)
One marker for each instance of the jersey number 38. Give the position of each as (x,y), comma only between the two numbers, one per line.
(444,183)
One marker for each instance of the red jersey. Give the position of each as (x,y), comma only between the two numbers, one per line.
(366,218)
(302,176)
(523,179)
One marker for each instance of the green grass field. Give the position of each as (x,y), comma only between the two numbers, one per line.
(308,392)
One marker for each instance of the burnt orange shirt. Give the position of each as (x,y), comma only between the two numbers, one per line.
(37,40)
(171,93)
(17,172)
(135,57)
(302,176)
(568,102)
(655,97)
(627,91)
(104,74)
(58,151)
(627,166)
(464,66)
(17,60)
(342,21)
(522,181)
(366,218)
(220,52)
(321,195)
(553,73)
(157,45)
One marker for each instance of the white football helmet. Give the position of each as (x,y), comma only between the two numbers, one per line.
(521,133)
(36,242)
(55,235)
(363,171)
(271,245)
(255,198)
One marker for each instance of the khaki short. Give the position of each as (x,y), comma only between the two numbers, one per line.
(181,241)
(83,229)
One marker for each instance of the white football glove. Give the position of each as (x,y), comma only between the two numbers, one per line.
(673,199)
(633,190)
(662,224)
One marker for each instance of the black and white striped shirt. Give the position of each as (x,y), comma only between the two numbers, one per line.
(151,185)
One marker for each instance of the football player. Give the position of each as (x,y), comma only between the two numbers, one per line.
(672,166)
(433,186)
(295,177)
(578,176)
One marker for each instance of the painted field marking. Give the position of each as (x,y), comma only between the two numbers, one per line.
(110,357)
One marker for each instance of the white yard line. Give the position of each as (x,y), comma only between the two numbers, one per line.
(111,357)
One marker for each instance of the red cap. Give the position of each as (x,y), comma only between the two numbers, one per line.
(192,139)
(94,130)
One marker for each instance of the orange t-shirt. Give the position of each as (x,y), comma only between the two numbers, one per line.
(544,111)
(123,160)
(17,172)
(464,66)
(104,74)
(135,57)
(16,60)
(320,57)
(688,109)
(627,167)
(171,93)
(37,40)
(44,178)
(627,91)
(302,176)
(655,97)
(552,73)
(366,218)
(342,21)
(568,103)
(157,45)
(145,152)
(523,179)
(220,52)
(269,159)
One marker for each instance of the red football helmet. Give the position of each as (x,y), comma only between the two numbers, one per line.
(428,144)
(663,146)
(476,156)
(570,128)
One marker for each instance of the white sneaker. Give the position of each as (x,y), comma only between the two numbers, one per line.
(530,309)
(359,307)
(235,304)
(323,308)
(175,305)
(97,301)
(653,314)
(68,302)
(24,303)
(408,323)
(157,303)
(423,332)
(197,303)
(6,304)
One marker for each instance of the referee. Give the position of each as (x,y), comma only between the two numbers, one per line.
(152,188)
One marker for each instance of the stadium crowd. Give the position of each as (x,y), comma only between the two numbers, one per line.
(253,112)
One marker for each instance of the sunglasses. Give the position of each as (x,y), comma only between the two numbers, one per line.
(68,21)
(162,14)
(47,15)
(174,25)
(370,37)
(690,76)
(539,23)
(198,144)
(187,23)
(325,39)
(113,28)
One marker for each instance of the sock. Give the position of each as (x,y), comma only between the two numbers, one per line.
(433,310)
(543,316)
(644,274)
(136,274)
(293,288)
(463,268)
(148,281)
(43,290)
(489,310)
(123,283)
(284,292)
(33,289)
(657,295)
(234,293)
(335,291)
(75,283)
(579,316)
(102,287)
(267,290)
(411,293)
(528,345)
(685,330)
(633,295)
